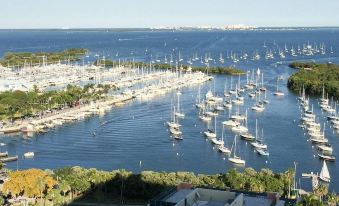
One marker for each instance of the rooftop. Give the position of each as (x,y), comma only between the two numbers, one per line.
(185,196)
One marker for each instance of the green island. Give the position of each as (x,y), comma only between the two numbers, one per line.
(20,59)
(19,104)
(77,184)
(314,77)
(212,70)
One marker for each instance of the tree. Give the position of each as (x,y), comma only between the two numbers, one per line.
(75,177)
(2,200)
(35,88)
(332,199)
(321,191)
(310,200)
(30,183)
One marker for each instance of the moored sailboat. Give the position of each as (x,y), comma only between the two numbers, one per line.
(324,173)
(234,158)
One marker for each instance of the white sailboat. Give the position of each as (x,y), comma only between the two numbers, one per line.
(259,106)
(278,93)
(179,113)
(241,129)
(212,134)
(325,174)
(222,148)
(173,123)
(234,158)
(258,144)
(199,104)
(202,114)
(266,101)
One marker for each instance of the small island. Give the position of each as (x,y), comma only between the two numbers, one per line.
(162,66)
(314,77)
(20,59)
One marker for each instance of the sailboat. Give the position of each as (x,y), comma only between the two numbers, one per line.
(266,101)
(173,124)
(262,150)
(222,147)
(199,104)
(234,158)
(216,140)
(240,129)
(317,137)
(179,113)
(258,143)
(278,93)
(209,133)
(325,174)
(203,116)
(262,88)
(259,106)
(247,136)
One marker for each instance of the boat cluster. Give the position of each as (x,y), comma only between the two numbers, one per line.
(237,123)
(212,105)
(269,52)
(313,128)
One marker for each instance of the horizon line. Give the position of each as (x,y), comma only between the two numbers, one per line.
(167,27)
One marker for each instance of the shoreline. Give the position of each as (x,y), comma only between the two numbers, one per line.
(79,112)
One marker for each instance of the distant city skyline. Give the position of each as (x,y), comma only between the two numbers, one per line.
(23,14)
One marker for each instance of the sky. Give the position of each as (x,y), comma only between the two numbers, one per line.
(155,13)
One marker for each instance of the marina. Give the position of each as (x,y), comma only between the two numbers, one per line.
(156,102)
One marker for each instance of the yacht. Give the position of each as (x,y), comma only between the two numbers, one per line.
(258,144)
(29,154)
(234,158)
(173,123)
(179,113)
(327,157)
(278,93)
(222,148)
(230,123)
(325,147)
(262,151)
(212,134)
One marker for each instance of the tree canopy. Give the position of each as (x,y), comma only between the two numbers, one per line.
(215,70)
(29,183)
(20,59)
(315,78)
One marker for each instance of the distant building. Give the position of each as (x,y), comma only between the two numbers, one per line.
(186,195)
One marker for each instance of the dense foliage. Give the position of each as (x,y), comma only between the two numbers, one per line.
(302,65)
(29,183)
(71,182)
(215,70)
(18,104)
(121,186)
(313,80)
(21,58)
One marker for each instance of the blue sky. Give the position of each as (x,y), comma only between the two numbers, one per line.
(149,13)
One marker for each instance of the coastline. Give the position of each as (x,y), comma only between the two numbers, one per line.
(99,107)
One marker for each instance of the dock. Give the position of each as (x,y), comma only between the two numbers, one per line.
(9,159)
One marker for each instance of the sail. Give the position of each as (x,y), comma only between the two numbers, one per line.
(324,174)
(209,94)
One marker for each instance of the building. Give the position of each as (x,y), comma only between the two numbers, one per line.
(186,195)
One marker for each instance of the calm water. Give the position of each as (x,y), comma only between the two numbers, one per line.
(136,131)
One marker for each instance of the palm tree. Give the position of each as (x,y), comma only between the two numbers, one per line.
(332,199)
(321,191)
(310,200)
